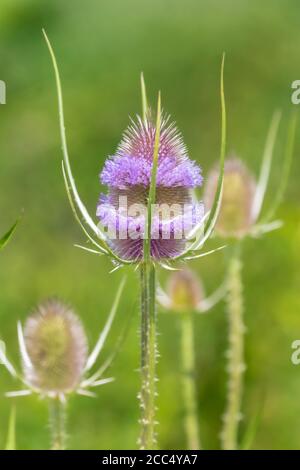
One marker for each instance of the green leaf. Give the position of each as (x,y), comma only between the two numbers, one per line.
(251,430)
(215,210)
(86,217)
(165,265)
(76,215)
(84,248)
(103,335)
(115,351)
(11,434)
(5,239)
(218,197)
(266,166)
(287,163)
(73,195)
(144,97)
(201,255)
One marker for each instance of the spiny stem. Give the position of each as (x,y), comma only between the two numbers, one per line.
(188,381)
(148,298)
(236,365)
(148,356)
(57,421)
(11,435)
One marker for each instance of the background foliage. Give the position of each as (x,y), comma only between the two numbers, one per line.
(102,46)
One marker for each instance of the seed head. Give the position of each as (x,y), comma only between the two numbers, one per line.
(57,348)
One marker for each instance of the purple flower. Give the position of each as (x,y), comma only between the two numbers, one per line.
(123,211)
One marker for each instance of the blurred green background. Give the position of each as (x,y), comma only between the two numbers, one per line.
(101,47)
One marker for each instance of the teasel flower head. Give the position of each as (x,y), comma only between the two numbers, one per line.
(128,176)
(151,168)
(54,352)
(185,293)
(243,196)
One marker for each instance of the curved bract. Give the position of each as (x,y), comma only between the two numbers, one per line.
(7,236)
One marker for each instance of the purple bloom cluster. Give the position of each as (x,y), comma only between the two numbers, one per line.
(128,175)
(132,163)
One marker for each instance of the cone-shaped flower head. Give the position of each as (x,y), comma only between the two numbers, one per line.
(236,215)
(128,176)
(185,290)
(57,348)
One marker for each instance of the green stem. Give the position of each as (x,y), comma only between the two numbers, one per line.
(148,356)
(236,365)
(57,421)
(148,311)
(188,381)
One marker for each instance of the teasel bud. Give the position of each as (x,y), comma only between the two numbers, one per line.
(57,349)
(185,290)
(185,293)
(236,216)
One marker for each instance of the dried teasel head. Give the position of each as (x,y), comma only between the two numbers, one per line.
(54,352)
(56,345)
